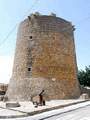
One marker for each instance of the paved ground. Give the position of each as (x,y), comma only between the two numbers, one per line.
(79,114)
(27,108)
(79,111)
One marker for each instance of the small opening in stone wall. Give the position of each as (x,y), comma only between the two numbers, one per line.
(53,37)
(30,37)
(29,69)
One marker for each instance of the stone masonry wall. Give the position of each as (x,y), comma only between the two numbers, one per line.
(44,60)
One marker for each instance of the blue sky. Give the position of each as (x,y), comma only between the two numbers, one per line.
(14,11)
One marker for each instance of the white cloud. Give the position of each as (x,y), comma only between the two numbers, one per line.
(6,63)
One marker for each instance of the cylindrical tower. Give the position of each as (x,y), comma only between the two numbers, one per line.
(44,60)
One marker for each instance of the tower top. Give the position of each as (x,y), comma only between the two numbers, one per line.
(39,14)
(52,16)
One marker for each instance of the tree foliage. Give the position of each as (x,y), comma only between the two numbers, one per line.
(84,76)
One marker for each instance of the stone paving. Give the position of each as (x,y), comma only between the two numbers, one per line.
(27,108)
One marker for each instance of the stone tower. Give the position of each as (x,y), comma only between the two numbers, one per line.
(44,59)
